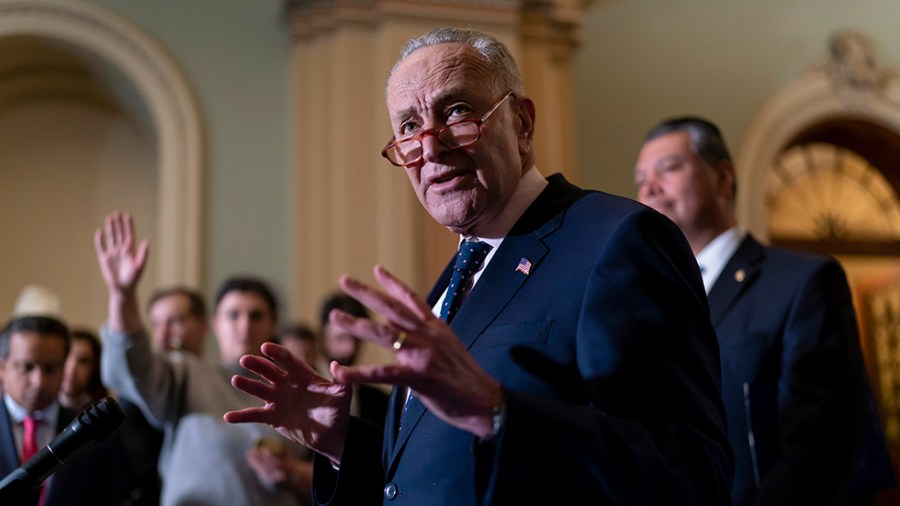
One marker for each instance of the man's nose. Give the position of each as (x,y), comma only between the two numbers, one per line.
(38,377)
(243,324)
(648,187)
(161,334)
(432,147)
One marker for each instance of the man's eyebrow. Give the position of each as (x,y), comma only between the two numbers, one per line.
(668,159)
(445,96)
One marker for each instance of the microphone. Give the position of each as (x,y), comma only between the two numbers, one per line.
(92,425)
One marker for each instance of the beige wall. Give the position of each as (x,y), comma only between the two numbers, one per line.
(643,60)
(639,60)
(68,155)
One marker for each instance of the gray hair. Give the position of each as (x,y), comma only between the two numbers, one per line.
(493,52)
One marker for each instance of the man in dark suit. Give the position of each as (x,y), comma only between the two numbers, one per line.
(581,368)
(33,352)
(801,416)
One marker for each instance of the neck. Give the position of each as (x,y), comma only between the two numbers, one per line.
(530,185)
(701,238)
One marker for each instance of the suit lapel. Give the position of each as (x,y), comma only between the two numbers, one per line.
(9,458)
(737,275)
(498,284)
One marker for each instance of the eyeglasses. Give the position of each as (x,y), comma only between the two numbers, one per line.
(461,134)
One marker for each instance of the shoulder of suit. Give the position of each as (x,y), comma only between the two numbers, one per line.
(799,258)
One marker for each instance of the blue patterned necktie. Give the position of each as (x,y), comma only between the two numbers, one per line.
(469,258)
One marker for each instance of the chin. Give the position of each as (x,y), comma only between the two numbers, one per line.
(457,222)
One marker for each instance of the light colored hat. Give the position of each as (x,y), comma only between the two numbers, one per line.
(36,300)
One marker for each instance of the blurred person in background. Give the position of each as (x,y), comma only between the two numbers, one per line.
(204,461)
(81,385)
(178,319)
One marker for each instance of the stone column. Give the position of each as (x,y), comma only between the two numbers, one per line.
(352,208)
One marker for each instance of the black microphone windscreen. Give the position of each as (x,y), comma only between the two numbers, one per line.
(92,425)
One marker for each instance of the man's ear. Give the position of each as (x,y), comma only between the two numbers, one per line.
(525,114)
(727,177)
(725,170)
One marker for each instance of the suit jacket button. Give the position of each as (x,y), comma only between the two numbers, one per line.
(390,491)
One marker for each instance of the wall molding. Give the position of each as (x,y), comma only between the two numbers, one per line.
(846,85)
(113,41)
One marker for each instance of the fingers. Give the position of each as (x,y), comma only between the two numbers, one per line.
(403,293)
(284,358)
(141,258)
(115,233)
(262,367)
(247,415)
(392,309)
(364,328)
(127,225)
(379,373)
(118,230)
(253,387)
(98,242)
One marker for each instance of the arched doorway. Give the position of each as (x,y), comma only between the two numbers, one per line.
(820,172)
(95,116)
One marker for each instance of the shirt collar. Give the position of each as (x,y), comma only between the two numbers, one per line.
(48,415)
(527,191)
(715,255)
(530,186)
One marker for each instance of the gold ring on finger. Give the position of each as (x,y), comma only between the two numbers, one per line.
(398,343)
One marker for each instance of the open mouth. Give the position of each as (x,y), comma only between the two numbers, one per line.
(447,180)
(444,179)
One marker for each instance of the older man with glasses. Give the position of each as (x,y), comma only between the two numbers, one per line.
(564,357)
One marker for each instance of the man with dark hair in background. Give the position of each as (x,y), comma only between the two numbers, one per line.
(204,461)
(178,319)
(33,352)
(801,415)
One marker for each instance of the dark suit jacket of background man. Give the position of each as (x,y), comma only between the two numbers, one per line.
(772,310)
(609,366)
(97,477)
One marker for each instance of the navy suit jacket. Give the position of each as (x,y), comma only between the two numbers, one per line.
(92,478)
(608,363)
(800,410)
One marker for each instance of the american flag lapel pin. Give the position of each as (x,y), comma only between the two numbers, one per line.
(524,266)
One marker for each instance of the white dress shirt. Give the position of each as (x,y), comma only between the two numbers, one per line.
(46,430)
(530,186)
(716,254)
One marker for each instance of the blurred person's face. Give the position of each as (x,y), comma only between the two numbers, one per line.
(671,178)
(462,189)
(174,327)
(300,347)
(242,323)
(340,345)
(80,365)
(33,372)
